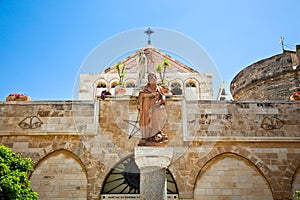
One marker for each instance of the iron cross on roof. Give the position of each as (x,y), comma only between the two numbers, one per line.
(149,32)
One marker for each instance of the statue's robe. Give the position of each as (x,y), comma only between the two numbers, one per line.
(152,114)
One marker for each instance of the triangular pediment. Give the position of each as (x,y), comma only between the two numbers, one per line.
(154,57)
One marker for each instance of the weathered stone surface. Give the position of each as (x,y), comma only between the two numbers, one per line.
(274,78)
(152,162)
(200,133)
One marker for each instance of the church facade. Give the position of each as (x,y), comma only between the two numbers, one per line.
(181,79)
(84,149)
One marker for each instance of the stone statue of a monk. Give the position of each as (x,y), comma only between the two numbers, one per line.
(152,116)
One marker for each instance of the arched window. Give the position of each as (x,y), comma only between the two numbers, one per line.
(130,84)
(190,83)
(114,84)
(124,178)
(101,84)
(176,88)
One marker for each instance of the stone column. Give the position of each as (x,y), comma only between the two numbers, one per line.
(152,162)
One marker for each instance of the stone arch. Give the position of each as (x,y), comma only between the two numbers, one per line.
(124,178)
(113,83)
(79,150)
(218,150)
(101,83)
(131,82)
(177,80)
(191,82)
(295,181)
(240,151)
(176,86)
(103,86)
(192,89)
(60,174)
(292,175)
(231,175)
(60,144)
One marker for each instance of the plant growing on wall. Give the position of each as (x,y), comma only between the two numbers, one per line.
(120,68)
(161,69)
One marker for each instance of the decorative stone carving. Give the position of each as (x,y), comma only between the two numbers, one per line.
(31,122)
(271,123)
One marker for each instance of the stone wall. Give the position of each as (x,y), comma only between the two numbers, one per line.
(274,78)
(231,177)
(203,90)
(220,148)
(60,176)
(48,117)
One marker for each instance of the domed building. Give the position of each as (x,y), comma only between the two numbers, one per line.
(274,78)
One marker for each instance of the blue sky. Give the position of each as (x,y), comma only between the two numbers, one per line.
(44,43)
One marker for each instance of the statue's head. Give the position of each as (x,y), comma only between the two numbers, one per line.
(152,78)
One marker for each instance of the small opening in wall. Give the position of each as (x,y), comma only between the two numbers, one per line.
(190,84)
(130,85)
(114,84)
(101,85)
(176,89)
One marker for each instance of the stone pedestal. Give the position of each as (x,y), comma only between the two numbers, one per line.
(152,162)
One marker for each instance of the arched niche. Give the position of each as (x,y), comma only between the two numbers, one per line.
(229,176)
(101,85)
(176,87)
(191,89)
(296,182)
(60,175)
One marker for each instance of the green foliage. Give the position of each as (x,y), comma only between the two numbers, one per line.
(161,69)
(121,72)
(297,193)
(14,183)
(166,63)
